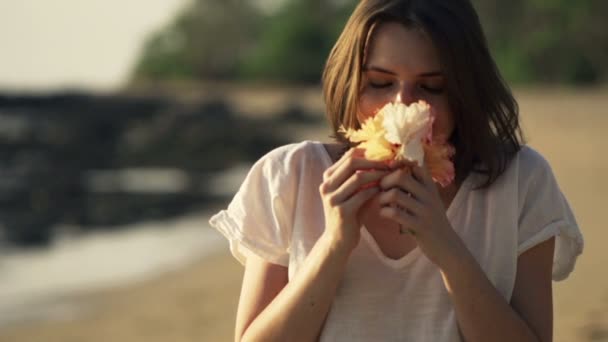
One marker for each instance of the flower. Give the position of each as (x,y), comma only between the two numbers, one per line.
(401,132)
(406,126)
(371,137)
(371,129)
(437,156)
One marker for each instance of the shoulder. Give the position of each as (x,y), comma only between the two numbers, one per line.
(537,184)
(525,164)
(528,157)
(527,168)
(293,160)
(294,153)
(293,149)
(532,165)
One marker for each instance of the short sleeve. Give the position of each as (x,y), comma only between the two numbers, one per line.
(545,213)
(258,219)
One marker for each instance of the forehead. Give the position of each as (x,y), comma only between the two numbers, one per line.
(401,49)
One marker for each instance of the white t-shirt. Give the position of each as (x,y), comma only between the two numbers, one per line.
(278,215)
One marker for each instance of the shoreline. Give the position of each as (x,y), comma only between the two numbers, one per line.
(181,305)
(198,301)
(44,284)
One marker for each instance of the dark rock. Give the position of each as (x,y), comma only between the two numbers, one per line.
(49,143)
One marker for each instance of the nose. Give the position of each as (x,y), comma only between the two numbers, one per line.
(405,95)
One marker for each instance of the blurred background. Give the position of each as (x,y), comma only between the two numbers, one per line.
(125,125)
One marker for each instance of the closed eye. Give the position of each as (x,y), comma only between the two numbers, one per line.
(379,85)
(432,90)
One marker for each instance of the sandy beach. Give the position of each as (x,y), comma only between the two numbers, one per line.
(197,302)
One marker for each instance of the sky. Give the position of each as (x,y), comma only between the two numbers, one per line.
(50,45)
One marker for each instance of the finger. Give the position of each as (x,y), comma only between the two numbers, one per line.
(401,199)
(354,183)
(330,170)
(403,179)
(402,163)
(348,168)
(354,203)
(405,219)
(422,175)
(352,153)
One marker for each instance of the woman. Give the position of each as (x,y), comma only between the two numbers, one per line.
(324,253)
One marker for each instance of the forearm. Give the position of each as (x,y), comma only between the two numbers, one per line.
(297,313)
(482,313)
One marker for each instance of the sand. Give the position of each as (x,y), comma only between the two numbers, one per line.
(198,302)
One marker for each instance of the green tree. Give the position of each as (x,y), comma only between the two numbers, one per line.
(296,41)
(205,42)
(532,40)
(232,39)
(548,40)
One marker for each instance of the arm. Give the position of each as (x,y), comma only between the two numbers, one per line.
(262,282)
(272,309)
(484,315)
(295,312)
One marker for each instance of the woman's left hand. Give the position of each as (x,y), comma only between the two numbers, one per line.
(421,213)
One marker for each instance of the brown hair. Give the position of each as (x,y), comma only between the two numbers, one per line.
(487,133)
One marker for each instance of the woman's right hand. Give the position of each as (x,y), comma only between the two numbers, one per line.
(345,189)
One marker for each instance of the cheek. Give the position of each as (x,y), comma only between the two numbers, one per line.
(444,123)
(369,105)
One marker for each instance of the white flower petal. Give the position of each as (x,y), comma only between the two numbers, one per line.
(407,126)
(413,151)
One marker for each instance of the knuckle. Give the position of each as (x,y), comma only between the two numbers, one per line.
(385,181)
(359,176)
(332,200)
(393,213)
(326,174)
(403,172)
(350,164)
(324,188)
(393,194)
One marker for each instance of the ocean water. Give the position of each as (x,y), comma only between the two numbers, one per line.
(42,284)
(45,283)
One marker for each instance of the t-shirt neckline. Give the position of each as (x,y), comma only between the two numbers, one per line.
(463,190)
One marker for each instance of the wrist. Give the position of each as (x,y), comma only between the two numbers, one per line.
(338,244)
(453,256)
(456,261)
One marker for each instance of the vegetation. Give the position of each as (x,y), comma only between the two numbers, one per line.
(532,40)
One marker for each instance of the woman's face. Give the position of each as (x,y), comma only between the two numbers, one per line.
(402,65)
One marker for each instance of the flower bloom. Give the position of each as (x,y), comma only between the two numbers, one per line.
(400,132)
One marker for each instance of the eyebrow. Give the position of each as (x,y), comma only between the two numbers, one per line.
(385,71)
